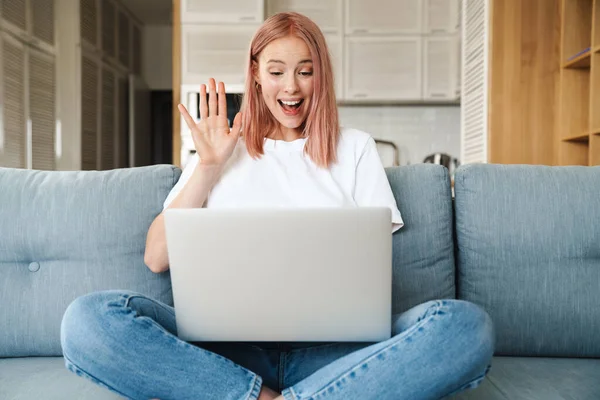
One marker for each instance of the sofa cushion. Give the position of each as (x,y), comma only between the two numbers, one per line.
(423,259)
(68,233)
(523,378)
(46,378)
(529,253)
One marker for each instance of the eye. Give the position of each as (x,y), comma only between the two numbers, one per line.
(276,73)
(306,73)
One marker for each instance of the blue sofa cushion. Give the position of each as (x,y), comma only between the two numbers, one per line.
(67,233)
(538,378)
(423,260)
(529,253)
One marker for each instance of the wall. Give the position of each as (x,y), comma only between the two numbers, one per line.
(417,130)
(157,69)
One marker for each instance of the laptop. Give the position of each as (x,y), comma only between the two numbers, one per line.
(281,275)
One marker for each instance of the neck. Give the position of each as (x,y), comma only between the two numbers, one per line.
(286,134)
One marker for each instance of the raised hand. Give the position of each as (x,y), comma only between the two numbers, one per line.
(213,140)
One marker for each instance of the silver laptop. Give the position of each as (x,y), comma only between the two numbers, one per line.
(283,274)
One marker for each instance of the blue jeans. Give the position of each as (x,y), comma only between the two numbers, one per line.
(127,343)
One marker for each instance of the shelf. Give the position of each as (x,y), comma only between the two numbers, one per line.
(583,138)
(582,60)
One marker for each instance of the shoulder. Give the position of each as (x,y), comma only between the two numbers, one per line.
(353,140)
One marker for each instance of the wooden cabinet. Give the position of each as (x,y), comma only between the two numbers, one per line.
(390,17)
(383,68)
(215,11)
(217,51)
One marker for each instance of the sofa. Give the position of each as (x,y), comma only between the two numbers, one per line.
(523,242)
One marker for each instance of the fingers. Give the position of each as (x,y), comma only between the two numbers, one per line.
(222,100)
(186,116)
(236,129)
(203,105)
(212,98)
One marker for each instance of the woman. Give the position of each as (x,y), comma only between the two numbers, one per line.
(285,149)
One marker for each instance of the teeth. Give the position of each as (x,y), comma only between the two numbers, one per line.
(290,103)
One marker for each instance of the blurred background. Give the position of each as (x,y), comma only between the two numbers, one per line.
(93,84)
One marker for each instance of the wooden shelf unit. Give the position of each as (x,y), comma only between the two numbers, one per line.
(579,84)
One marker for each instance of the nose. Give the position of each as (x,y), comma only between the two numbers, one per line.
(291,84)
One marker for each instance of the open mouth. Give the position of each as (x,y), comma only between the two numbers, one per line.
(291,107)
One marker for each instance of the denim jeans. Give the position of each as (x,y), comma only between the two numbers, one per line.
(127,343)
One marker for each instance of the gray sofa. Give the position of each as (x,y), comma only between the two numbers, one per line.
(521,241)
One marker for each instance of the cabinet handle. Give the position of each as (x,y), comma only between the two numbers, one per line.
(360,95)
(360,31)
(248,18)
(438,95)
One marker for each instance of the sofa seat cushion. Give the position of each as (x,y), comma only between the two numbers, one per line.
(533,378)
(46,378)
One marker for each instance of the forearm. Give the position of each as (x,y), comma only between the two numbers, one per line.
(193,195)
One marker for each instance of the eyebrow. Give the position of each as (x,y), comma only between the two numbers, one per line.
(281,62)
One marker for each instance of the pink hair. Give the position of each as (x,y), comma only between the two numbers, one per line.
(321,127)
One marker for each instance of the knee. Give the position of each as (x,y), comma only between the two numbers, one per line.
(472,328)
(84,320)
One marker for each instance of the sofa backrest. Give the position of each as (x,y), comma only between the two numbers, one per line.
(423,259)
(65,234)
(529,253)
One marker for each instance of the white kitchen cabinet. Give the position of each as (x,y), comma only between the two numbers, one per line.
(215,11)
(386,17)
(335,43)
(383,68)
(441,16)
(217,51)
(440,62)
(326,14)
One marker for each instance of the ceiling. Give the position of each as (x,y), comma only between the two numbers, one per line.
(151,12)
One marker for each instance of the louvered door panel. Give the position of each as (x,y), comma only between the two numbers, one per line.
(108,28)
(123,39)
(12,149)
(107,133)
(122,153)
(217,51)
(383,16)
(136,49)
(15,12)
(89,113)
(214,11)
(326,14)
(42,99)
(385,68)
(42,15)
(89,21)
(474,123)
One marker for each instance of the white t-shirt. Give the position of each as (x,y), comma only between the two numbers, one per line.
(286,177)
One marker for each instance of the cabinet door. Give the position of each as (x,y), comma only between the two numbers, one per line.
(440,16)
(383,16)
(326,14)
(214,11)
(14,12)
(108,120)
(89,23)
(42,18)
(12,134)
(42,100)
(217,51)
(335,44)
(90,111)
(109,27)
(440,65)
(384,68)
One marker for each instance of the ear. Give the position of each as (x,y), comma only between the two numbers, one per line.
(255,73)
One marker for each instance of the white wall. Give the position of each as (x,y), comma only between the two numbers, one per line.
(157,69)
(417,130)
